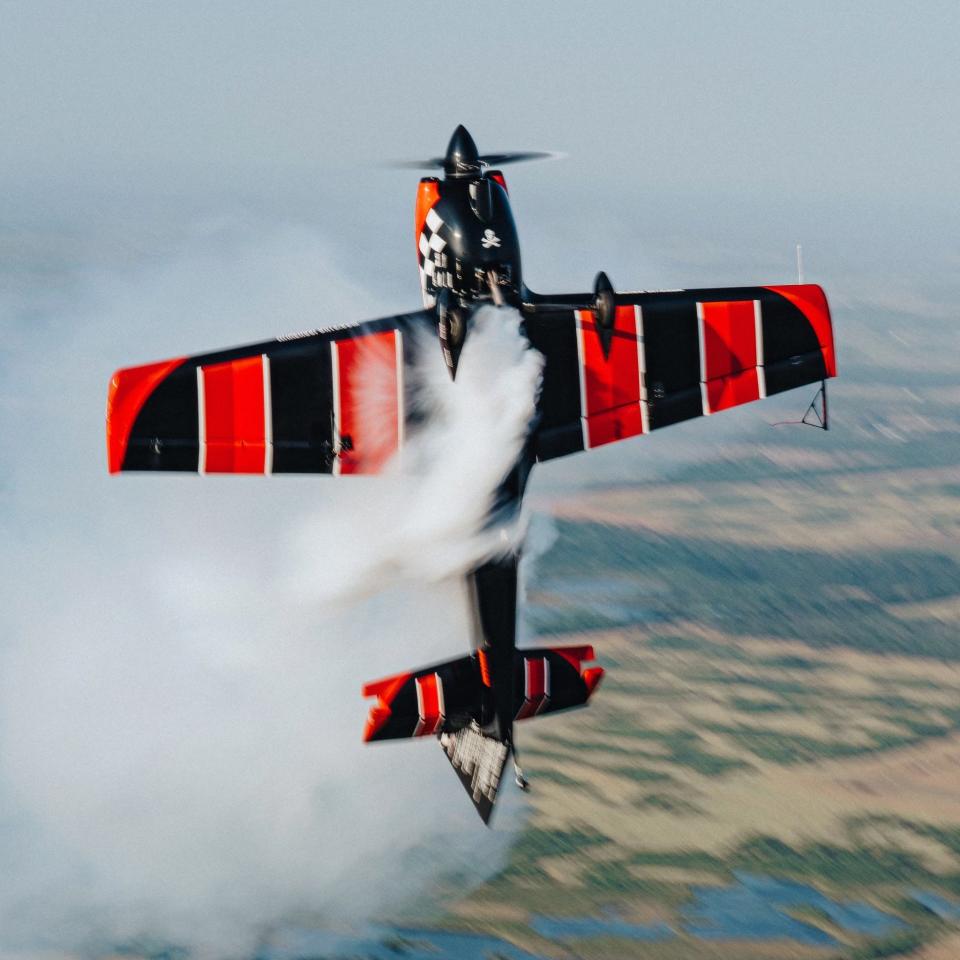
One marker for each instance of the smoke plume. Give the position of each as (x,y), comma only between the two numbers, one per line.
(180,662)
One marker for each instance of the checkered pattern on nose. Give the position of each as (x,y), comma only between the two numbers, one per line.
(430,244)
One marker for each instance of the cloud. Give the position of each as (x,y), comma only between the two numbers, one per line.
(180,715)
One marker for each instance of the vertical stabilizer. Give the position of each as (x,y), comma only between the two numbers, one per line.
(479,761)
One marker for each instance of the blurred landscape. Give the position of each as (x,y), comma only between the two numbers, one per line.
(771,767)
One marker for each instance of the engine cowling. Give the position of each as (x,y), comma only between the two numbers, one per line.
(465,230)
(604,309)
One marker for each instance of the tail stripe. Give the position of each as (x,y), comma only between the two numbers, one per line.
(484,668)
(536,686)
(429,704)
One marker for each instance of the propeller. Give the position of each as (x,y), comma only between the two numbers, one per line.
(486,159)
(463,160)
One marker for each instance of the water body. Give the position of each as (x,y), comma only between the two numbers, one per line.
(610,925)
(756,907)
(941,906)
(389,943)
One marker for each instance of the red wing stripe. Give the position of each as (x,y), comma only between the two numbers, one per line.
(368,400)
(527,709)
(610,382)
(232,416)
(617,424)
(725,392)
(533,677)
(728,353)
(429,704)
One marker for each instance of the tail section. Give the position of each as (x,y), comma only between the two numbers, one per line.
(455,702)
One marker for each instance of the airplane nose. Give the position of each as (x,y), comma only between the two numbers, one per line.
(462,158)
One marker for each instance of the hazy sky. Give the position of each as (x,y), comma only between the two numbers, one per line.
(815,97)
(716,125)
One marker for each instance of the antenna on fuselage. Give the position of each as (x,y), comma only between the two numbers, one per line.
(799,263)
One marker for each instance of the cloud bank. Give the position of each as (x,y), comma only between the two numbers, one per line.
(180,659)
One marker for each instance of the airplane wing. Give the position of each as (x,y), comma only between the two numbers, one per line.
(673,355)
(321,402)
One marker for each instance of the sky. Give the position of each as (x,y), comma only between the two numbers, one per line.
(835,99)
(703,140)
(178,177)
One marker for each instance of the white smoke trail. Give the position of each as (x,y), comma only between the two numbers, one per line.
(180,751)
(425,520)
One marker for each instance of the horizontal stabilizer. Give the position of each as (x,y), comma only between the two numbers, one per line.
(432,700)
(448,696)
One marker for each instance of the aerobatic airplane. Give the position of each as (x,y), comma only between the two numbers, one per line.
(616,365)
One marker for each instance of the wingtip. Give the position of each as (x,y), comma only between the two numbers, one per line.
(129,390)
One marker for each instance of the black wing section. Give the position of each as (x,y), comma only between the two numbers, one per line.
(323,402)
(672,356)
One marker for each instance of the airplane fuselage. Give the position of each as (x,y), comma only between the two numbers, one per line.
(468,252)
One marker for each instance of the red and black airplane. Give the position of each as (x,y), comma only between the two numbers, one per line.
(616,365)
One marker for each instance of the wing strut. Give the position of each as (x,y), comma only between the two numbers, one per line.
(816,414)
